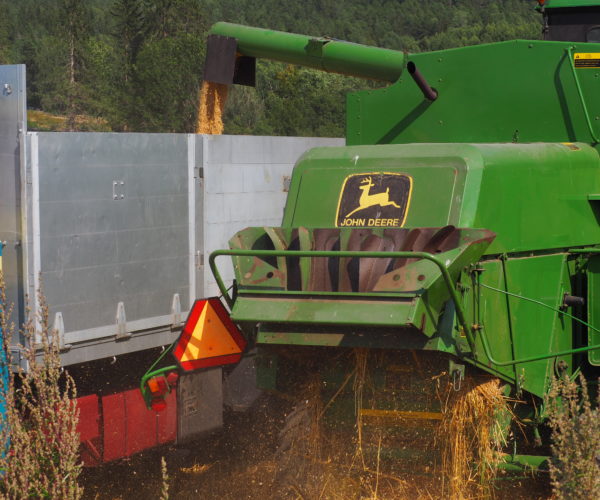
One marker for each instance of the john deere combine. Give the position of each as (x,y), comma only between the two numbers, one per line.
(461,218)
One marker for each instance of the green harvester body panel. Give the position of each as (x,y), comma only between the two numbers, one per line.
(517,91)
(522,195)
(462,216)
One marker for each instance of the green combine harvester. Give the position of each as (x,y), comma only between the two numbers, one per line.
(457,232)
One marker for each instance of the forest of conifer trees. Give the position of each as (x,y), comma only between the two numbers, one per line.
(136,65)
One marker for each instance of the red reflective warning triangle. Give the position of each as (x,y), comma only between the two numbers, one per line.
(209,337)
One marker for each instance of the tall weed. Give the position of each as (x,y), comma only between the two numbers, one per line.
(39,428)
(575,422)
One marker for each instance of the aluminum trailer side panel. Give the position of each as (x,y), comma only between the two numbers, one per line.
(119,226)
(113,229)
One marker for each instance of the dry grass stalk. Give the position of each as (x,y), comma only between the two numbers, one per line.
(39,428)
(210,112)
(575,423)
(361,358)
(471,438)
(164,487)
(314,438)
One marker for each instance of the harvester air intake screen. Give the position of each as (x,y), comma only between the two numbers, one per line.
(573,25)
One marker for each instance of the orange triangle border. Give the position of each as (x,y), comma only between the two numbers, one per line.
(188,329)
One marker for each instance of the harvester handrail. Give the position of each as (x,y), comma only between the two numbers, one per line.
(462,318)
(460,312)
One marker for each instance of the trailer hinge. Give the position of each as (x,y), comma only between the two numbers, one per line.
(198,172)
(17,360)
(199,259)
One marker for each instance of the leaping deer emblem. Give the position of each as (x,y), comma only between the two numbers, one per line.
(368,200)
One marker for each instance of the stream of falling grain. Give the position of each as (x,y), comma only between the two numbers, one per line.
(210,111)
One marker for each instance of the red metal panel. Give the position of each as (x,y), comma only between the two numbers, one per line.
(167,420)
(129,427)
(142,424)
(88,428)
(115,429)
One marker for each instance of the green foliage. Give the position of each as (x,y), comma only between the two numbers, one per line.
(136,64)
(166,84)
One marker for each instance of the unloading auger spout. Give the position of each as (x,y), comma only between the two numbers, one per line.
(232,50)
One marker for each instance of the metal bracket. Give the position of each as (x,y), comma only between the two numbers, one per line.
(17,360)
(118,190)
(520,382)
(457,372)
(121,321)
(199,259)
(176,312)
(58,328)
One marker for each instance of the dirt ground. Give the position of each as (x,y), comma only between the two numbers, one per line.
(241,462)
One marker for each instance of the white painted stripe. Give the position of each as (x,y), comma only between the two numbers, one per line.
(35,224)
(191,145)
(206,248)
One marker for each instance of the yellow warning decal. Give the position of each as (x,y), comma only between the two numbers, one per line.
(374,199)
(586,59)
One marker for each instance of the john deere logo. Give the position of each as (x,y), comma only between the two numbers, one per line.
(374,199)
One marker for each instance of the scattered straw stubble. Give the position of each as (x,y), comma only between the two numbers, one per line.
(471,439)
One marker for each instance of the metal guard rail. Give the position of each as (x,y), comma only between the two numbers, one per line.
(460,312)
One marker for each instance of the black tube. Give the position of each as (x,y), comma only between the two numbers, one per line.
(428,92)
(572,301)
